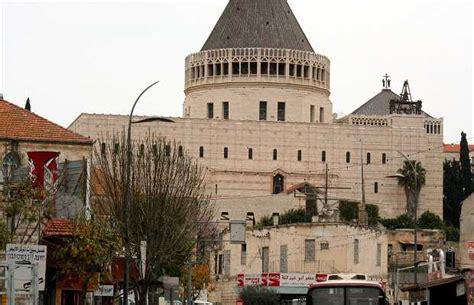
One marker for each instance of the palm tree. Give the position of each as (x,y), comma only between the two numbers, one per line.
(412,177)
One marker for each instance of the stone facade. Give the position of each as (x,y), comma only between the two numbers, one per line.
(257,109)
(302,248)
(466,239)
(237,176)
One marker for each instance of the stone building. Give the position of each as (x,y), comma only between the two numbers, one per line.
(257,114)
(22,131)
(303,249)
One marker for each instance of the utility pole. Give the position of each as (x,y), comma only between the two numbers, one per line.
(326,187)
(363,217)
(190,284)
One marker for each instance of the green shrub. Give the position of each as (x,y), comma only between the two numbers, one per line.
(452,233)
(258,295)
(348,210)
(401,222)
(429,220)
(295,216)
(265,221)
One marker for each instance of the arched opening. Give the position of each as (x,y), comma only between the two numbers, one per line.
(368,158)
(376,187)
(278,181)
(9,164)
(275,154)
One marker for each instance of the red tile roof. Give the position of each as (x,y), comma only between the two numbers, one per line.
(58,227)
(20,124)
(455,148)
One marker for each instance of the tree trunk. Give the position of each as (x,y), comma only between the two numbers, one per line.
(412,199)
(142,293)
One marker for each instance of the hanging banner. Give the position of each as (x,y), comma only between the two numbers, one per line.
(248,279)
(271,279)
(297,279)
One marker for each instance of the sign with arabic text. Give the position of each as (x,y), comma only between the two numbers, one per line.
(26,255)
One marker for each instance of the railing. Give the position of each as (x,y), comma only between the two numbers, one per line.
(257,64)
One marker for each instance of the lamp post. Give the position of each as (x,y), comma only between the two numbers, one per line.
(415,241)
(128,193)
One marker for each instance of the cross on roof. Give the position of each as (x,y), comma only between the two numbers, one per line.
(386,81)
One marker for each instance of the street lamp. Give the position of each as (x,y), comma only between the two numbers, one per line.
(128,193)
(415,176)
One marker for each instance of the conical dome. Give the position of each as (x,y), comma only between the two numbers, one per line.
(257,24)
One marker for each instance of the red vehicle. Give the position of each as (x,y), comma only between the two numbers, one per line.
(346,292)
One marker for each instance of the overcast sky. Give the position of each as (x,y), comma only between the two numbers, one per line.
(96,57)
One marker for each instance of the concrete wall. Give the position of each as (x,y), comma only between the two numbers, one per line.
(466,240)
(239,177)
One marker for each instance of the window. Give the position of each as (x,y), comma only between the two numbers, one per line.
(263,111)
(281,111)
(225,216)
(278,184)
(180,150)
(225,110)
(299,157)
(201,151)
(142,150)
(324,245)
(265,259)
(167,150)
(321,114)
(309,250)
(227,257)
(210,110)
(356,251)
(376,187)
(368,158)
(116,148)
(384,158)
(250,153)
(379,255)
(323,156)
(226,152)
(9,164)
(275,154)
(243,254)
(348,157)
(311,113)
(221,264)
(155,149)
(284,258)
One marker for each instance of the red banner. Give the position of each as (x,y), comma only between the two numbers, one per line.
(271,279)
(43,170)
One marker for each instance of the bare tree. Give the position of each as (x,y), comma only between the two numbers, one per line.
(169,207)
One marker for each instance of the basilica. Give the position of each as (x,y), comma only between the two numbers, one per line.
(258,115)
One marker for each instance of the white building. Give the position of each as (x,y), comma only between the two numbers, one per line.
(257,114)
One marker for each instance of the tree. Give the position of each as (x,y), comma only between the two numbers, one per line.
(412,178)
(88,251)
(465,166)
(201,279)
(24,212)
(453,193)
(258,295)
(169,208)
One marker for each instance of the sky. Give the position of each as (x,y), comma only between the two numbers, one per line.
(71,57)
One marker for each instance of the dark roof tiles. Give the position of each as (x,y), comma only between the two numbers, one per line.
(257,24)
(379,105)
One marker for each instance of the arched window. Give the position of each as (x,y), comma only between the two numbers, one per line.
(348,157)
(384,158)
(323,156)
(9,164)
(226,152)
(299,157)
(278,181)
(201,151)
(275,154)
(376,187)
(102,149)
(368,158)
(180,150)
